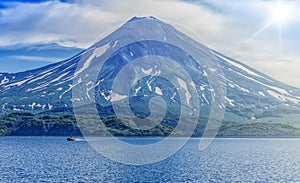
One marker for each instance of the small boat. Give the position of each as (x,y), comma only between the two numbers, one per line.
(71,138)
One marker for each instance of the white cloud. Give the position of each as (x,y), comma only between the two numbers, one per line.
(35,58)
(84,22)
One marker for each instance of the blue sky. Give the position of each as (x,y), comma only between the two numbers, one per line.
(248,31)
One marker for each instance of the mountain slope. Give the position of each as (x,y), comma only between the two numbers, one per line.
(250,95)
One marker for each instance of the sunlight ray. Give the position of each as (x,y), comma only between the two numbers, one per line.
(280,40)
(262,29)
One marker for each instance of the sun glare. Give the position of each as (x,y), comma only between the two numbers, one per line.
(280,12)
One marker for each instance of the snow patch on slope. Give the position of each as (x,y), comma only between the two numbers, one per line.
(4,80)
(183,85)
(136,91)
(282,97)
(277,89)
(70,87)
(38,87)
(158,91)
(148,71)
(261,93)
(40,77)
(96,53)
(230,101)
(61,76)
(117,97)
(237,65)
(19,83)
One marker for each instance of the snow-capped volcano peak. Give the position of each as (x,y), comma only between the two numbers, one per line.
(136,18)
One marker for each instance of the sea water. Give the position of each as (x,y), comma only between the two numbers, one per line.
(53,159)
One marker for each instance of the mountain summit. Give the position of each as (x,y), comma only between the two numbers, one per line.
(145,42)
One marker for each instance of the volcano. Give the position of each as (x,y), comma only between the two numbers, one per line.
(139,52)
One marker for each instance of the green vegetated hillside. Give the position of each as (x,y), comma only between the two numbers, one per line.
(28,124)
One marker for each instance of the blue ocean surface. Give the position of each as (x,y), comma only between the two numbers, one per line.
(53,159)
